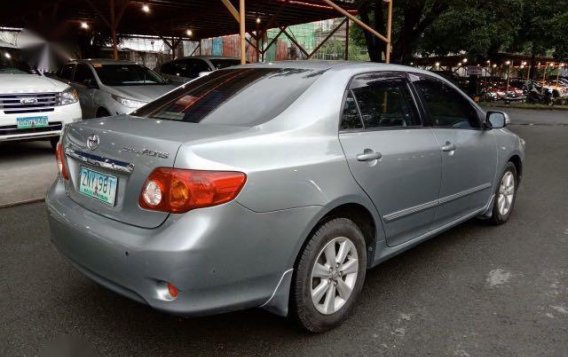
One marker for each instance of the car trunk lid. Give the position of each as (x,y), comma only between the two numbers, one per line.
(126,149)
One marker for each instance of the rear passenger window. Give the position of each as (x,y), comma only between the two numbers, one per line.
(447,107)
(350,118)
(385,102)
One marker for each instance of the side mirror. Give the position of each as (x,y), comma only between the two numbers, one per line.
(497,120)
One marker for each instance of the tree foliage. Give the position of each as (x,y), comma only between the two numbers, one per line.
(481,28)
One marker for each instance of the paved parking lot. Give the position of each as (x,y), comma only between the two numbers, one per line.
(26,171)
(477,290)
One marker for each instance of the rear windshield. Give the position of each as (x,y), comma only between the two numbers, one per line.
(243,97)
(224,63)
(127,75)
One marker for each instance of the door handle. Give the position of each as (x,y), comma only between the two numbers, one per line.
(448,147)
(369,155)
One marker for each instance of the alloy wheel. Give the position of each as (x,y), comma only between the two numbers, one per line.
(334,275)
(506,193)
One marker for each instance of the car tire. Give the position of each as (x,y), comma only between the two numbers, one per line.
(505,195)
(102,112)
(337,239)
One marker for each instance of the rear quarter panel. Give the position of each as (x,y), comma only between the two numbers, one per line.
(509,144)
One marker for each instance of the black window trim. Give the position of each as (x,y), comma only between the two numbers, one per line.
(425,112)
(88,65)
(72,75)
(404,76)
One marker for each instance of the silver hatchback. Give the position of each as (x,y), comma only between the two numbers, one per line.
(277,186)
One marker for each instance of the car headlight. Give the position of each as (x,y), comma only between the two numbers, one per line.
(68,96)
(130,103)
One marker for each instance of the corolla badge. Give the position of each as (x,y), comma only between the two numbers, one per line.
(93,142)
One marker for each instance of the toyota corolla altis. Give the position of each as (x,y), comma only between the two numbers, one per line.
(277,186)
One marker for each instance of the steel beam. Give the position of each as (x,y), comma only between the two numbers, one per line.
(366,27)
(231,9)
(242,31)
(326,38)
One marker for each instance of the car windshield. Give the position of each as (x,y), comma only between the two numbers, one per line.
(243,97)
(10,66)
(127,75)
(224,63)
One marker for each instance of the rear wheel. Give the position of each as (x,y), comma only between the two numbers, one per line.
(329,275)
(505,195)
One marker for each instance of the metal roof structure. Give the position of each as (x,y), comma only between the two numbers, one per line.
(172,18)
(175,20)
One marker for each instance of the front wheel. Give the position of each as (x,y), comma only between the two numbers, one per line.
(505,195)
(329,275)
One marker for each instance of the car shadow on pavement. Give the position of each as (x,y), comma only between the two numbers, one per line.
(31,149)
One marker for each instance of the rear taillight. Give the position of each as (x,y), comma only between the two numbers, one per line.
(60,155)
(178,190)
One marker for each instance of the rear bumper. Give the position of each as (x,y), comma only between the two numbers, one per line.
(65,114)
(221,259)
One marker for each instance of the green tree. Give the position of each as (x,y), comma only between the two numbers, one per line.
(410,19)
(481,28)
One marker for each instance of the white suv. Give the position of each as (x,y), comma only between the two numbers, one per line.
(32,106)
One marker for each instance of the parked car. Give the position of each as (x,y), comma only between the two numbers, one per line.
(109,87)
(210,199)
(188,68)
(32,106)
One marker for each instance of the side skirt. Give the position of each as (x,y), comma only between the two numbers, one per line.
(384,252)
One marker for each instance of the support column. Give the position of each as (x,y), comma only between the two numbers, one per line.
(346,38)
(113,30)
(389,34)
(242,27)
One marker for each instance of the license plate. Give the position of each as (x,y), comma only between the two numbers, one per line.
(98,186)
(31,122)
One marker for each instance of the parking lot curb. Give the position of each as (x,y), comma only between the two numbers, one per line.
(20,203)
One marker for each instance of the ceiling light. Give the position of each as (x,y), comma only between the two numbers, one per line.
(146,8)
(189,33)
(84,25)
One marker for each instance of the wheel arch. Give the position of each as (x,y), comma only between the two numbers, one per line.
(516,160)
(361,215)
(101,109)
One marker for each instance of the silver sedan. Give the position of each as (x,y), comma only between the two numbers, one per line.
(277,186)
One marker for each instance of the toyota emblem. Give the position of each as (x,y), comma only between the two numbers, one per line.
(93,142)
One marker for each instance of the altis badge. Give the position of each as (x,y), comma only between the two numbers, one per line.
(146,152)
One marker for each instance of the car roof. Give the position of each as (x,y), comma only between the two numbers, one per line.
(102,61)
(208,58)
(336,65)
